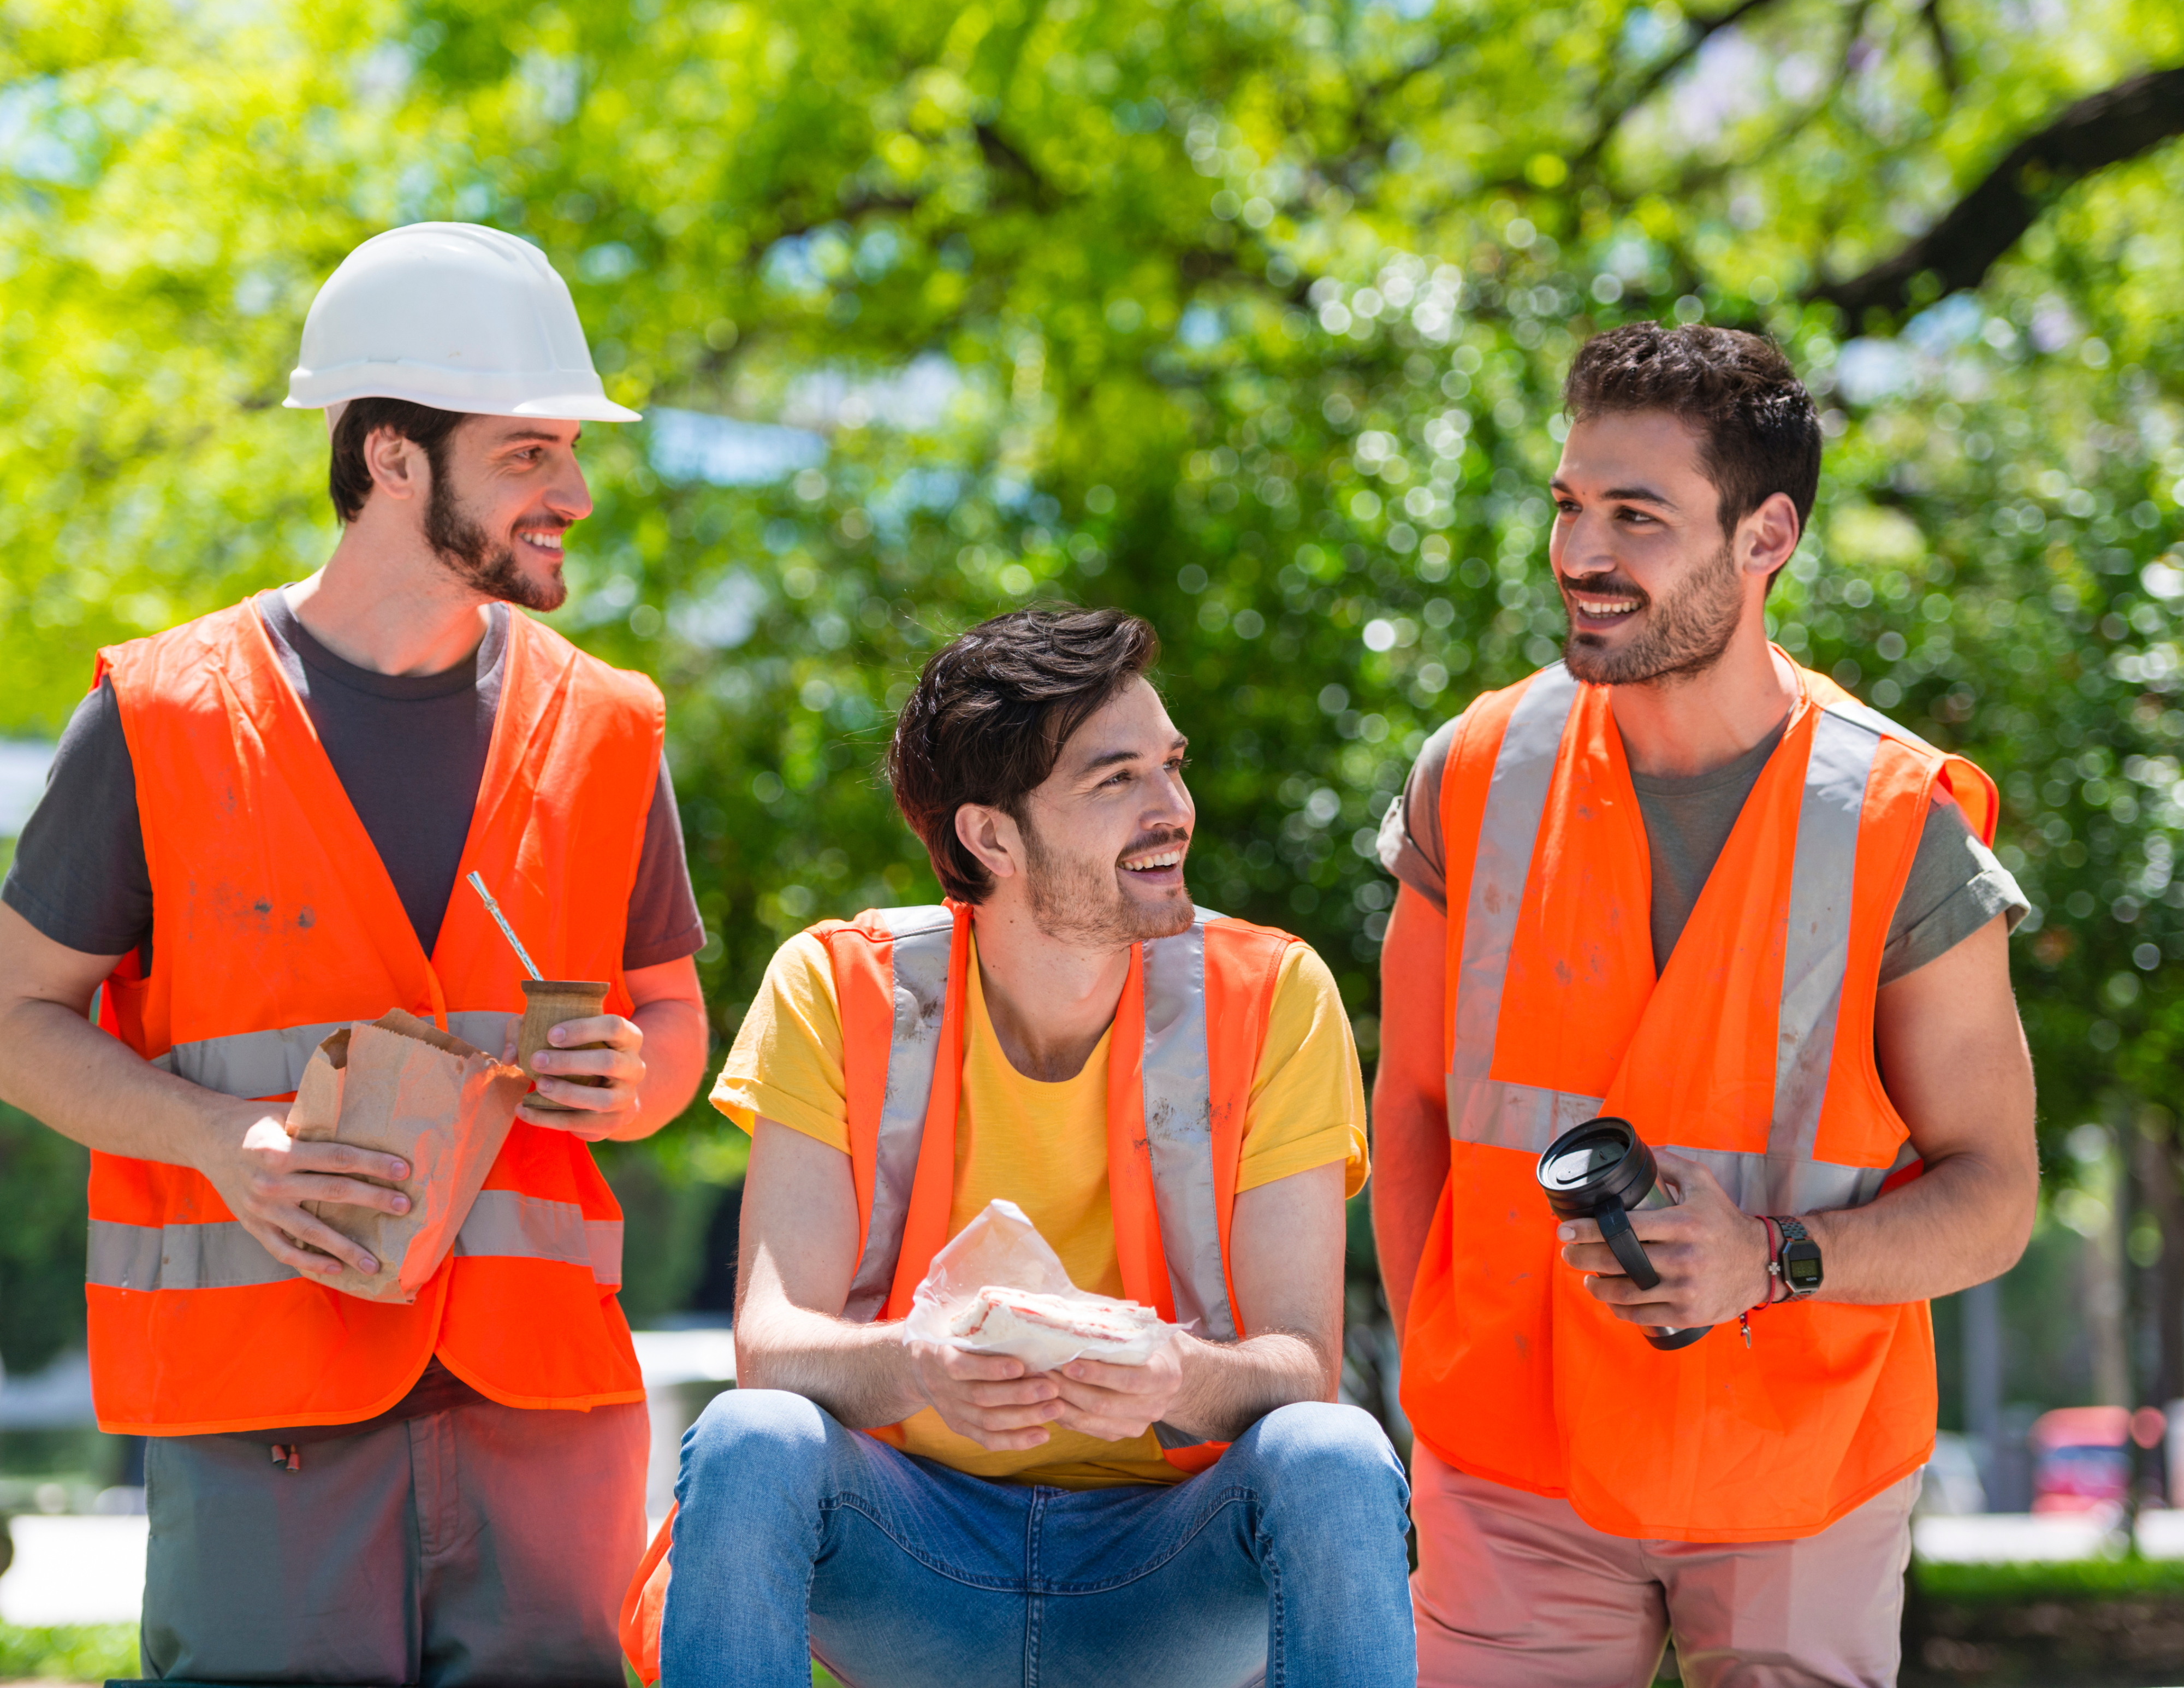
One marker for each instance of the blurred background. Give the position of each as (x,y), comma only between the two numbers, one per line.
(1248,314)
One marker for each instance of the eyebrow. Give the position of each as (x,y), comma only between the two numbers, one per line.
(1109,757)
(523,434)
(1643,495)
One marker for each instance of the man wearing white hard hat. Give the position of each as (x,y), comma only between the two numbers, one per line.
(256,831)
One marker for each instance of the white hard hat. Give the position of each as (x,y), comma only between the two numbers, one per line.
(453,315)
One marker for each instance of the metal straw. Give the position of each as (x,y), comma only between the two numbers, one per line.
(493,908)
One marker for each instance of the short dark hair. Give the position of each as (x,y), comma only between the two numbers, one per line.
(1760,433)
(348,482)
(990,714)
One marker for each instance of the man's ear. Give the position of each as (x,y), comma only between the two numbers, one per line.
(992,836)
(1766,537)
(397,464)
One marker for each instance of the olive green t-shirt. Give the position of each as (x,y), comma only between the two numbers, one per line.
(1956,886)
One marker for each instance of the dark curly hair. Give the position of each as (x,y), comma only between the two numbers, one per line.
(1760,433)
(348,482)
(991,712)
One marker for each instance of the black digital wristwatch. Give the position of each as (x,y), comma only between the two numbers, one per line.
(1801,1259)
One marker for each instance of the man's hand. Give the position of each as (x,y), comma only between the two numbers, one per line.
(264,1177)
(602,1110)
(1711,1256)
(989,1397)
(1119,1403)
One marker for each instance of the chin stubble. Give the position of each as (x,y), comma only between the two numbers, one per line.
(1684,635)
(1079,903)
(473,557)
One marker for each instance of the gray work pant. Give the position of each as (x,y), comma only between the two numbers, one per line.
(481,1547)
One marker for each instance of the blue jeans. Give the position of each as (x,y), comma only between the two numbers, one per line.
(797,1539)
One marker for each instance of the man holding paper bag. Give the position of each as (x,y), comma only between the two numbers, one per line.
(428,1469)
(1099,1092)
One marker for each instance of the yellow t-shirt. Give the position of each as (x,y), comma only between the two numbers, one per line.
(1045,1147)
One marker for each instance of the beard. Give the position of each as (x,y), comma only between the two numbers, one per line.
(479,561)
(1075,900)
(1685,634)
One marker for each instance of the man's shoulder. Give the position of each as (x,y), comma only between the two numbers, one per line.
(181,658)
(605,681)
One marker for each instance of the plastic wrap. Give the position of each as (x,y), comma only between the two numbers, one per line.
(998,1288)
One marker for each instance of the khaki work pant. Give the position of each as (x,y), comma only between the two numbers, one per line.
(1515,1591)
(479,1547)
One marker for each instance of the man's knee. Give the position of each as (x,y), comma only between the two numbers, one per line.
(751,1438)
(1316,1447)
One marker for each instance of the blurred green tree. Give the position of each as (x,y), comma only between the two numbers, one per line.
(1247,315)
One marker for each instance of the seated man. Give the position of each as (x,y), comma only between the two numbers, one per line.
(1174,1099)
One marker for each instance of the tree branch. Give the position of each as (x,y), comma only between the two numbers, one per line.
(1702,30)
(1945,55)
(2102,129)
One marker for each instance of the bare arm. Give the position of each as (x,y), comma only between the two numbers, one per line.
(1954,1058)
(1285,1243)
(799,1253)
(57,1066)
(652,1063)
(1410,1095)
(799,1245)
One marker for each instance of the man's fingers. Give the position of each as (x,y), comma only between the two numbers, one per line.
(291,1237)
(344,1158)
(968,1368)
(347,1192)
(600,1063)
(1105,1374)
(585,1098)
(1017,1392)
(599,1028)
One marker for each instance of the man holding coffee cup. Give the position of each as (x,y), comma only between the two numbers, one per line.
(254,834)
(1678,880)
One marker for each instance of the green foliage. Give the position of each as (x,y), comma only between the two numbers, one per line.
(1249,316)
(2019,1584)
(42,1246)
(87,1652)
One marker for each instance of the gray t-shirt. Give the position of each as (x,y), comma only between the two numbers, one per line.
(1955,887)
(409,751)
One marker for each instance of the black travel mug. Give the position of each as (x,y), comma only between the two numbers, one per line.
(1603,1170)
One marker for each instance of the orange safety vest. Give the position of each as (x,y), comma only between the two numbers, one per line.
(1184,1047)
(1753,1053)
(273,923)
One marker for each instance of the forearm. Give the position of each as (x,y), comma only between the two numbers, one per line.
(1228,1387)
(861,1374)
(676,1042)
(91,1087)
(1961,1222)
(1410,1170)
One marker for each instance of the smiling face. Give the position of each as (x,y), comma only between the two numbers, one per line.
(1104,837)
(1655,590)
(510,491)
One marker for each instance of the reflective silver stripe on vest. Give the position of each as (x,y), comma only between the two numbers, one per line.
(1506,1116)
(272,1063)
(220,1255)
(923,937)
(1515,799)
(1178,1104)
(1179,1092)
(1816,950)
(1501,1114)
(223,1256)
(510,1224)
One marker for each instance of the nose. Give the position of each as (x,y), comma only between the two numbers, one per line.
(1168,806)
(570,498)
(1580,547)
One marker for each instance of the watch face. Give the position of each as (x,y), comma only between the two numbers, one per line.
(1801,1264)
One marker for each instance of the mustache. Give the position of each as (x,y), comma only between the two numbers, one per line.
(1609,587)
(1155,841)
